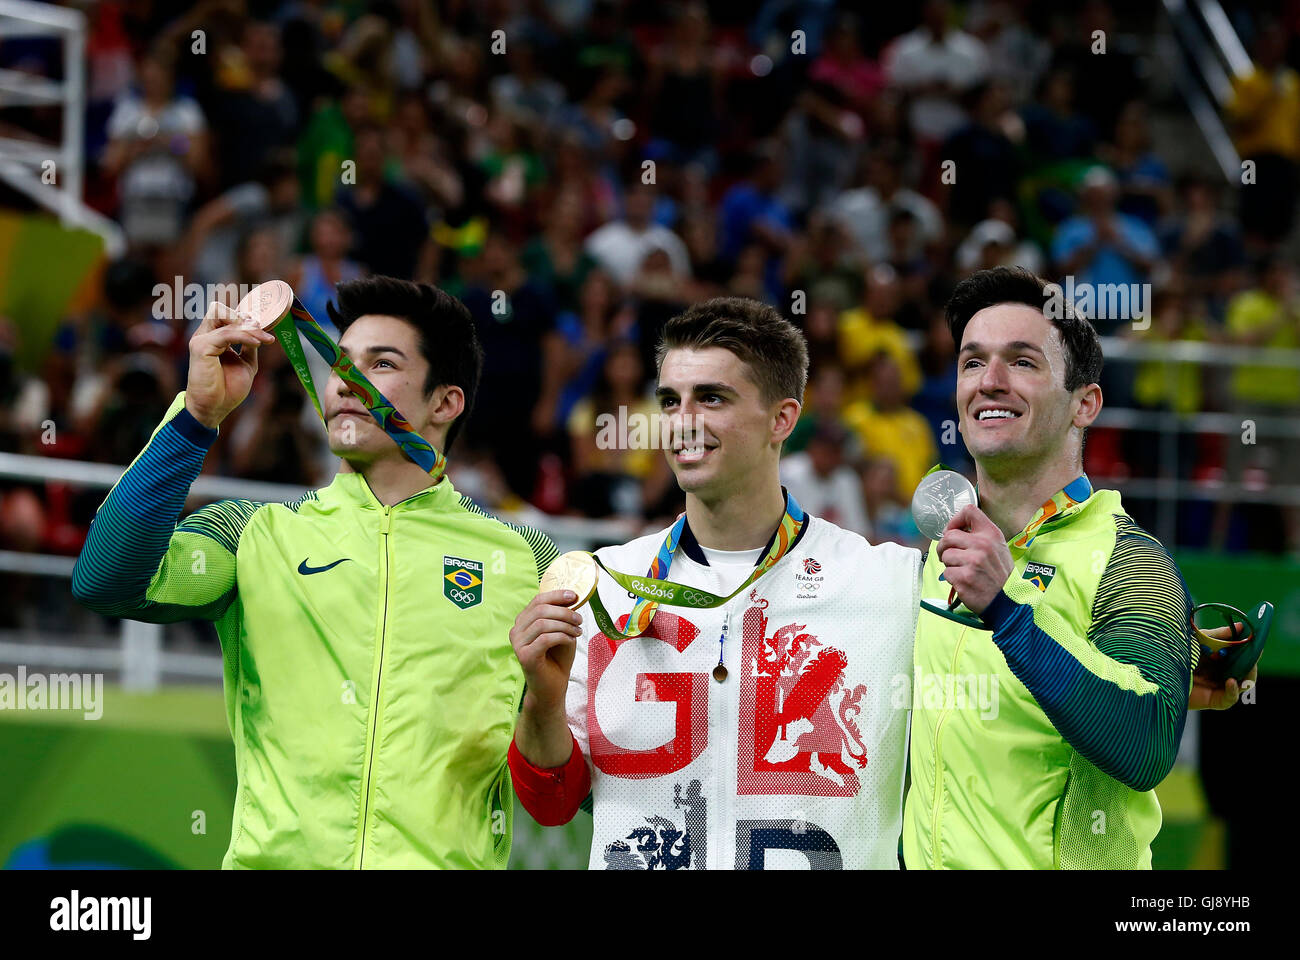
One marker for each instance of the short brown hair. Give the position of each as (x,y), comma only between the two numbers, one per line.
(772,346)
(988,288)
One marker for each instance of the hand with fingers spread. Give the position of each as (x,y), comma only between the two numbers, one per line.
(975,556)
(544,638)
(219,378)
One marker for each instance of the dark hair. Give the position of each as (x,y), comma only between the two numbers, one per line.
(445,331)
(987,288)
(772,346)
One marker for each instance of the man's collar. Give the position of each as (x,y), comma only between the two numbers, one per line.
(352,487)
(691,547)
(1057,506)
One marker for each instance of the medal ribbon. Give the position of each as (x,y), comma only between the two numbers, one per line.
(652,590)
(416,448)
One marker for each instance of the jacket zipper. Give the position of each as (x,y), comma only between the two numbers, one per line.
(938,760)
(373,724)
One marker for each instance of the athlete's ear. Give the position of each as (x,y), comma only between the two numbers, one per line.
(787,415)
(1089,400)
(446,403)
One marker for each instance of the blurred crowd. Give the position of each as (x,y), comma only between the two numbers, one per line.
(605,163)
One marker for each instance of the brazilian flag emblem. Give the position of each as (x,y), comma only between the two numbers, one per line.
(1039,574)
(462,581)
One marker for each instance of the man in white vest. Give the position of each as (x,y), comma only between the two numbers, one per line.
(760,720)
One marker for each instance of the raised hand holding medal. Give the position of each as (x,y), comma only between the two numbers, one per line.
(940,496)
(264,310)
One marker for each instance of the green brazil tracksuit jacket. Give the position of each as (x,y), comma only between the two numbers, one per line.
(371,689)
(1038,743)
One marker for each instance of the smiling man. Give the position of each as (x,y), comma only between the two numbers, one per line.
(753,724)
(370,688)
(1087,619)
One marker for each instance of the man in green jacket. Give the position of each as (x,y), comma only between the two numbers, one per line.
(1037,741)
(371,689)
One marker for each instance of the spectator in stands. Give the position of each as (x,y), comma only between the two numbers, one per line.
(823,403)
(214,231)
(555,256)
(270,441)
(388,222)
(685,87)
(934,400)
(577,355)
(158,151)
(823,264)
(525,88)
(1167,385)
(256,112)
(615,437)
(985,157)
(865,211)
(869,328)
(1055,129)
(1264,114)
(1203,246)
(620,245)
(1267,316)
(512,169)
(888,511)
(1144,183)
(821,479)
(888,428)
(422,155)
(316,273)
(515,317)
(993,243)
(934,65)
(753,213)
(1101,246)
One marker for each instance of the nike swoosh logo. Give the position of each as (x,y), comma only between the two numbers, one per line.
(307,571)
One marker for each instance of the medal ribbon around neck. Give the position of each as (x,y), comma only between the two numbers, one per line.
(652,590)
(415,447)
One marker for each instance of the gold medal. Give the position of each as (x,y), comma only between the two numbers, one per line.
(265,305)
(576,571)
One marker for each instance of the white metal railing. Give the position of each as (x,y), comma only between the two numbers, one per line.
(21,161)
(1205,48)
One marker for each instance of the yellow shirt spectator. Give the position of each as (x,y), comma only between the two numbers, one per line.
(862,336)
(901,435)
(1265,113)
(1268,386)
(625,446)
(1166,384)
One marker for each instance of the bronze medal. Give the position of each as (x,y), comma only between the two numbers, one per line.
(265,305)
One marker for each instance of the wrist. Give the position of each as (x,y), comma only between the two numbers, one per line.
(543,734)
(192,429)
(204,418)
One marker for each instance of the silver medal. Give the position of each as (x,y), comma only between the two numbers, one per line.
(938,498)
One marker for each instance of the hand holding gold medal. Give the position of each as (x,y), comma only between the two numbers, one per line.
(575,571)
